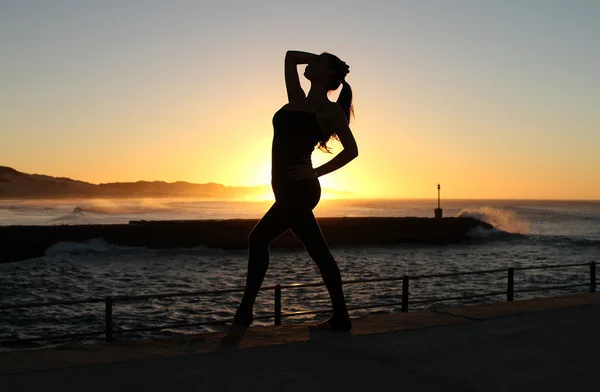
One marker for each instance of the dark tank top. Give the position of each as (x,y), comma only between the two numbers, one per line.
(295,135)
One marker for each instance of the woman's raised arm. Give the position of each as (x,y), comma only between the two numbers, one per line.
(292,81)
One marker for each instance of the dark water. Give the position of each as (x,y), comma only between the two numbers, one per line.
(528,233)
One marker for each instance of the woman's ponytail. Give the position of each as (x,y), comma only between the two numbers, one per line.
(345,99)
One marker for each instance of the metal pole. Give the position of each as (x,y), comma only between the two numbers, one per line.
(108,316)
(510,290)
(593,277)
(278,304)
(405,293)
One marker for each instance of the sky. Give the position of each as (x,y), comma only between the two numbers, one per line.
(492,99)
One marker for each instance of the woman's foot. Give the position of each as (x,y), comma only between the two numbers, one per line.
(235,335)
(341,324)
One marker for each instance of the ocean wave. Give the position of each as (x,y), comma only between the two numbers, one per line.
(100,245)
(94,245)
(134,206)
(502,219)
(74,218)
(567,241)
(481,233)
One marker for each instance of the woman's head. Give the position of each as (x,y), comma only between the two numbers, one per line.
(327,69)
(331,72)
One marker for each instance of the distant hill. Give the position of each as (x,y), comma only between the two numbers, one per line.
(14,184)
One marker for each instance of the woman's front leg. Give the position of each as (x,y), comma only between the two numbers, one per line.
(271,226)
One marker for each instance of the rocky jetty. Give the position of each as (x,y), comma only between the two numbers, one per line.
(24,242)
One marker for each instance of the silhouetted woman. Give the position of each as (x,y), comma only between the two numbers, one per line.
(300,125)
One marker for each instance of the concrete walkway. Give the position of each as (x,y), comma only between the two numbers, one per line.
(536,345)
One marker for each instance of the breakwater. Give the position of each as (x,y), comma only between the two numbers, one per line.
(24,242)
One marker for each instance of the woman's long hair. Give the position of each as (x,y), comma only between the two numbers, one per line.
(345,98)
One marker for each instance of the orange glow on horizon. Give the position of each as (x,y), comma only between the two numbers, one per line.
(270,197)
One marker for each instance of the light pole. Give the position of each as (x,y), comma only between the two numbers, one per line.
(438,210)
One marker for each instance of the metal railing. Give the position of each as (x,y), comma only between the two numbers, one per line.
(109,301)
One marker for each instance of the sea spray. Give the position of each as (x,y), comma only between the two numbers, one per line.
(500,218)
(118,206)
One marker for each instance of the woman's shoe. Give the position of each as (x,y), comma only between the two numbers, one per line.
(235,335)
(333,324)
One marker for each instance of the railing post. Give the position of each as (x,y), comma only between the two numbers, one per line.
(593,277)
(108,317)
(278,304)
(405,293)
(510,289)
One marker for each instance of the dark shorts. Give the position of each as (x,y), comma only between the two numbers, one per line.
(297,194)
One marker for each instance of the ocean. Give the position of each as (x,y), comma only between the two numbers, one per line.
(526,233)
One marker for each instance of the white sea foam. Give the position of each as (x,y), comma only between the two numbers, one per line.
(98,245)
(133,206)
(500,218)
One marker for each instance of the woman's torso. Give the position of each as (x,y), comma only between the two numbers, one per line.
(295,135)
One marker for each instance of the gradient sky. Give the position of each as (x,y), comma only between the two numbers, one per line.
(493,99)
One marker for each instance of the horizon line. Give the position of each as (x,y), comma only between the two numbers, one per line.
(356,196)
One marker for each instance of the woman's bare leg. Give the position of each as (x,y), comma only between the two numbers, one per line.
(272,225)
(306,228)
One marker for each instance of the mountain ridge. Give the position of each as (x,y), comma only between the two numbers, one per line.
(16,184)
